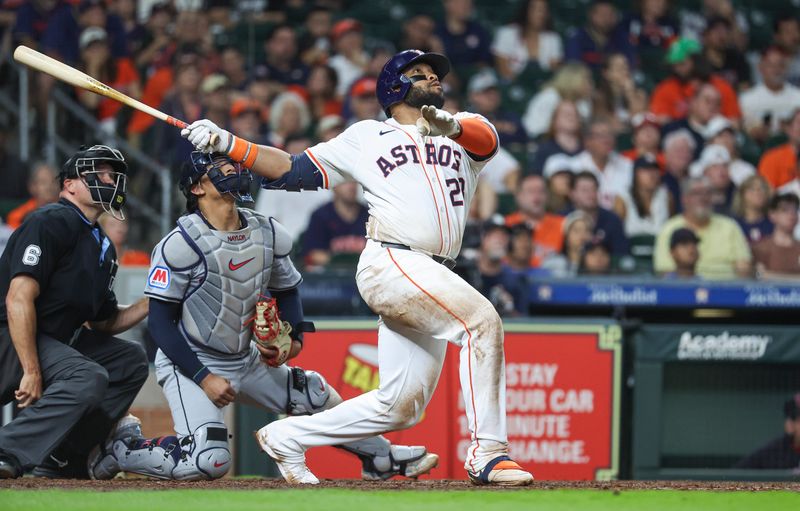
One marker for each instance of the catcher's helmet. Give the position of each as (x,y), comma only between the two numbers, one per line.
(236,184)
(393,85)
(107,189)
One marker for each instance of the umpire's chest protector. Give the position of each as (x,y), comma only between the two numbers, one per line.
(236,268)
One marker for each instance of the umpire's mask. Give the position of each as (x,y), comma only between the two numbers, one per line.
(107,187)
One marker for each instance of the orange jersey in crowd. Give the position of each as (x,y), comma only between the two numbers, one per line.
(134,258)
(671,98)
(125,77)
(548,236)
(779,165)
(153,94)
(17,215)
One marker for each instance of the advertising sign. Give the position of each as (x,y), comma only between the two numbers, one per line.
(562,399)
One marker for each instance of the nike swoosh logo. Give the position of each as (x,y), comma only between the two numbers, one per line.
(217,465)
(234,267)
(385,132)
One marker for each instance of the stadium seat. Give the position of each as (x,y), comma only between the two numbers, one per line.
(642,247)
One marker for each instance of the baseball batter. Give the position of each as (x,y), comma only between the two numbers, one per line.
(216,269)
(419,170)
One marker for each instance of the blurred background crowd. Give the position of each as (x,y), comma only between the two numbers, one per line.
(652,137)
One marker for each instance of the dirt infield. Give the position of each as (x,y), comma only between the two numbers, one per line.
(32,483)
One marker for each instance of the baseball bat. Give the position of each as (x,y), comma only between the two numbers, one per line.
(72,76)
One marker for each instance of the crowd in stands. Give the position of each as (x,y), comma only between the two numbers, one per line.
(636,137)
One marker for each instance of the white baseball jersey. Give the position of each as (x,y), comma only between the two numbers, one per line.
(418,189)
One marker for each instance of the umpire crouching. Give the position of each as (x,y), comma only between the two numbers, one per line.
(72,383)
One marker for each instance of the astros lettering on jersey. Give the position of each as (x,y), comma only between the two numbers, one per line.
(418,189)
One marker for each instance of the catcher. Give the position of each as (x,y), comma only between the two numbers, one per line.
(218,281)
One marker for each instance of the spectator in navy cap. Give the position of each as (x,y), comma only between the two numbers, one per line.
(684,251)
(499,282)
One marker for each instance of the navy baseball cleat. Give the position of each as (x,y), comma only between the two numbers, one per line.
(9,466)
(501,471)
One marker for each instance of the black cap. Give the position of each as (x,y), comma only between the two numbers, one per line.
(598,241)
(520,228)
(682,235)
(645,161)
(713,21)
(495,222)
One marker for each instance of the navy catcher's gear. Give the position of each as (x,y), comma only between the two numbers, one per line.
(201,455)
(393,85)
(236,184)
(108,192)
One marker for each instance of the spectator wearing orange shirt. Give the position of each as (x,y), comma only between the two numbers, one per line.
(548,235)
(779,164)
(670,98)
(156,89)
(117,231)
(118,73)
(321,87)
(43,188)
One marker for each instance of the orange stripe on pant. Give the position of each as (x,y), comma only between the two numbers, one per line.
(469,347)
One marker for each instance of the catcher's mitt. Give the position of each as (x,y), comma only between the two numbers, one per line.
(269,331)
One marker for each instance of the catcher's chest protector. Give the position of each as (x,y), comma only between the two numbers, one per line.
(237,267)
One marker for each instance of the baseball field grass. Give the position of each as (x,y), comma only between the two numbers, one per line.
(352,500)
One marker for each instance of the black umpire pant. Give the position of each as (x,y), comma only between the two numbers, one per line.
(86,388)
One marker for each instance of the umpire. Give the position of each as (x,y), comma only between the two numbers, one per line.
(71,382)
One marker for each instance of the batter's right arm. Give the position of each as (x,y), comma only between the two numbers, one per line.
(22,293)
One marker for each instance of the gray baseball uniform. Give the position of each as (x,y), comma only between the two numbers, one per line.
(217,277)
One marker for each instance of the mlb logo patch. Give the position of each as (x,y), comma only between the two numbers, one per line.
(159,277)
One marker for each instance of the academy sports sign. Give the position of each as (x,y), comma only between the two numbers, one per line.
(562,398)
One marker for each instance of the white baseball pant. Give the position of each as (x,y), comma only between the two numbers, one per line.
(422,306)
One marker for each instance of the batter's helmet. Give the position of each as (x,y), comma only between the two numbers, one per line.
(393,85)
(236,184)
(107,190)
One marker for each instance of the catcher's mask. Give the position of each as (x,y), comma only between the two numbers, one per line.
(107,188)
(237,184)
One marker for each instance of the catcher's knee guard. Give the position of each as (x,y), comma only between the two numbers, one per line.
(205,453)
(309,393)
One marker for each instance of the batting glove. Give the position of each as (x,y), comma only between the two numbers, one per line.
(199,134)
(435,122)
